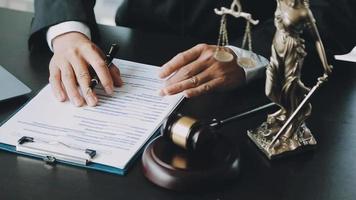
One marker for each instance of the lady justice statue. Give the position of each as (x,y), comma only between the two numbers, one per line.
(285,130)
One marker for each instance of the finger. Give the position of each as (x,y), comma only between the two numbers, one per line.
(187,71)
(204,88)
(116,75)
(80,67)
(192,82)
(90,96)
(55,82)
(95,58)
(181,60)
(70,84)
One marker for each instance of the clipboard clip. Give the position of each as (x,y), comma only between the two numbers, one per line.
(25,139)
(51,154)
(49,160)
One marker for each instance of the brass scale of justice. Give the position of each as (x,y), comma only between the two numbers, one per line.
(191,154)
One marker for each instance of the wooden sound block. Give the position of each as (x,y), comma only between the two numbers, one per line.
(171,167)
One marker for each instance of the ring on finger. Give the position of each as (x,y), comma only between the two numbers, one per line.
(84,75)
(207,88)
(194,80)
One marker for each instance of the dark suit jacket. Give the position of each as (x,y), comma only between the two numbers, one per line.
(195,18)
(181,17)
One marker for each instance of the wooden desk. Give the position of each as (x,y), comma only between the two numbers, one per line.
(326,173)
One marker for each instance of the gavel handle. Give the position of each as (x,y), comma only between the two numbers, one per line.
(242,115)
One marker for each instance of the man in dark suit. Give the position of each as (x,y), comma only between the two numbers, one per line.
(69,24)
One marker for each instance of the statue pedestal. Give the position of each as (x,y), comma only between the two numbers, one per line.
(171,167)
(301,140)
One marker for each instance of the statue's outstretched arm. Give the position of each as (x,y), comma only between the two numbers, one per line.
(318,43)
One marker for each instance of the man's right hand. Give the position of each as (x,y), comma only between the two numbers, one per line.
(69,67)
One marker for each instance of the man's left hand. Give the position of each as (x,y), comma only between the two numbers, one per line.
(196,71)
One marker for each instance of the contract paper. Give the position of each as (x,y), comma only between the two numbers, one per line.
(117,128)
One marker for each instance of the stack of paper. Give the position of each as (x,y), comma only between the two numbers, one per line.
(350,57)
(116,129)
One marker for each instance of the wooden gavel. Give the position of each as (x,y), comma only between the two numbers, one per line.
(192,134)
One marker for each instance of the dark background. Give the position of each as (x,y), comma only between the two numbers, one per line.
(327,173)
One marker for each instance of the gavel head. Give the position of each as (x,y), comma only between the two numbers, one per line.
(189,133)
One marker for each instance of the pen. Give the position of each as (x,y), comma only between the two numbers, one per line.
(109,57)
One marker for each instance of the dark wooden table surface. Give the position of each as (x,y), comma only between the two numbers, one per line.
(327,173)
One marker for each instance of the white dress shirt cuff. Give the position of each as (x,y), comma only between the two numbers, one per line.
(66,27)
(251,72)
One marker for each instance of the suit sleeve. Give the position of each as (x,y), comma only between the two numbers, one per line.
(52,12)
